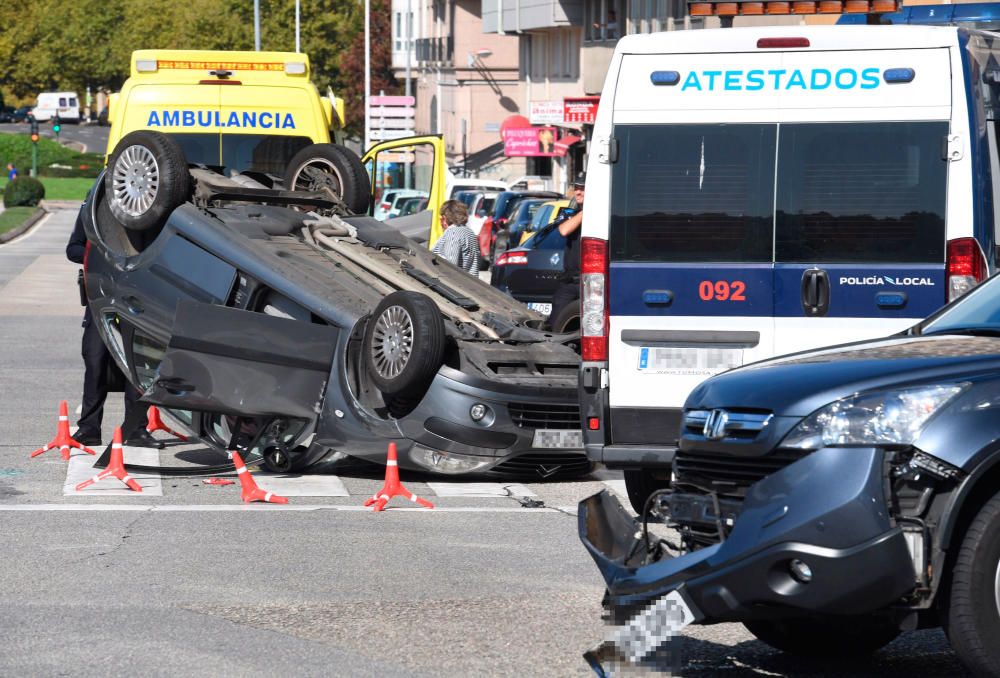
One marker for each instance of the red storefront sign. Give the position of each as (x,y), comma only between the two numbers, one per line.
(580,109)
(530,142)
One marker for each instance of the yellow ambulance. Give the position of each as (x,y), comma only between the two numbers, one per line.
(257,112)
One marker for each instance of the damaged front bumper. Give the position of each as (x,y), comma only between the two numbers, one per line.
(828,511)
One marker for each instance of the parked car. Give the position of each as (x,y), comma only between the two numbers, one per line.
(296,334)
(545,215)
(531,273)
(412,205)
(401,199)
(387,201)
(7,114)
(831,499)
(22,114)
(522,214)
(502,208)
(480,210)
(455,185)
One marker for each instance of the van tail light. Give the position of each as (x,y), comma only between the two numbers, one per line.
(385,206)
(512,259)
(594,299)
(966,266)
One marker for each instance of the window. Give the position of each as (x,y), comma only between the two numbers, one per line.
(62,102)
(846,193)
(241,152)
(404,172)
(398,41)
(693,193)
(851,193)
(147,354)
(601,19)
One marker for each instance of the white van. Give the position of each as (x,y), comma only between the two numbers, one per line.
(759,191)
(64,104)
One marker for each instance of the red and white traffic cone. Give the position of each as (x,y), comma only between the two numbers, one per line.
(63,439)
(250,492)
(392,487)
(116,467)
(155,423)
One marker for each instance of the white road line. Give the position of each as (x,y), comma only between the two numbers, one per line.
(302,485)
(479,489)
(228,508)
(81,467)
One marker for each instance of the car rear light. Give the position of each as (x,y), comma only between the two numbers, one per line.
(386,205)
(512,259)
(966,266)
(594,299)
(594,424)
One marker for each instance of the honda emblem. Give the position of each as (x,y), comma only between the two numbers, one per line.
(715,425)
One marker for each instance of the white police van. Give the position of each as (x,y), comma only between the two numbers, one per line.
(758,191)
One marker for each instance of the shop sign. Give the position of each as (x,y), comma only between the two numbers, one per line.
(580,109)
(530,142)
(546,112)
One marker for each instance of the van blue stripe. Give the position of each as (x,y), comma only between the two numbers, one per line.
(638,289)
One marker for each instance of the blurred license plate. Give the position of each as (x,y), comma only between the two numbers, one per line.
(663,360)
(557,438)
(544,309)
(655,625)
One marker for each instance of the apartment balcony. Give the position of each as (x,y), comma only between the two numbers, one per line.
(505,16)
(435,50)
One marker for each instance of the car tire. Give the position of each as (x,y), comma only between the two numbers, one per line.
(833,638)
(404,344)
(147,179)
(115,236)
(641,484)
(972,613)
(330,167)
(568,319)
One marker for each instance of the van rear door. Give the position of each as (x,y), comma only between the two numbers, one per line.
(690,245)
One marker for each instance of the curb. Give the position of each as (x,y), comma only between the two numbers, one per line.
(23,228)
(50,205)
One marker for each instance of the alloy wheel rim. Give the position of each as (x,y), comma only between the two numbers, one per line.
(392,343)
(135,180)
(319,175)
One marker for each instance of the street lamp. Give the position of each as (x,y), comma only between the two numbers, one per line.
(478,56)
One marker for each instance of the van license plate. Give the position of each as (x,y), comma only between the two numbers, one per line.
(544,309)
(552,438)
(688,361)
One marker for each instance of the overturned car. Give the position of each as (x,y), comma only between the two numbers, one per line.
(828,500)
(278,321)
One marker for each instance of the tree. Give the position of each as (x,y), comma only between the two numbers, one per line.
(353,63)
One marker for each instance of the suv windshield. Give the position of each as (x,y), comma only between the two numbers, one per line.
(977,311)
(845,193)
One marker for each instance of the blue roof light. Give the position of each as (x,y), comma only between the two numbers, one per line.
(665,77)
(896,75)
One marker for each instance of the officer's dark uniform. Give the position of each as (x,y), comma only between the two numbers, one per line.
(97,363)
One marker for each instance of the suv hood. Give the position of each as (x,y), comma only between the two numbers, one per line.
(801,383)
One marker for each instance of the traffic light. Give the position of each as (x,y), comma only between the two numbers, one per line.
(34,130)
(56,125)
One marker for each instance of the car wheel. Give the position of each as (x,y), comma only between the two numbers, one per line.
(840,637)
(404,344)
(972,615)
(641,484)
(147,179)
(116,236)
(568,319)
(333,168)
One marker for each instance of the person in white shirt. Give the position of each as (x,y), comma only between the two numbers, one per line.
(458,244)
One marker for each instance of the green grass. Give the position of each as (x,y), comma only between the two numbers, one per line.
(72,188)
(53,159)
(12,217)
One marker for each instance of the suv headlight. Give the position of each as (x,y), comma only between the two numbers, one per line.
(878,418)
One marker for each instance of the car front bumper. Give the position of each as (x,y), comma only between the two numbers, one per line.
(827,510)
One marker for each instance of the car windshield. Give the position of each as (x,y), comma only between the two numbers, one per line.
(976,312)
(527,210)
(269,153)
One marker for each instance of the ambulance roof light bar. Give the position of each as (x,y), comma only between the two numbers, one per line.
(727,9)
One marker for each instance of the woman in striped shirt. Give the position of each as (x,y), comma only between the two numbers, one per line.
(458,244)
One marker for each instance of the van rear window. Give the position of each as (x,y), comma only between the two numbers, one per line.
(855,192)
(846,193)
(693,193)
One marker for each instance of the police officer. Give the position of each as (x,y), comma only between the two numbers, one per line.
(97,362)
(568,292)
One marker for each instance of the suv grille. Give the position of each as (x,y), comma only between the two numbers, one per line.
(543,466)
(701,468)
(544,415)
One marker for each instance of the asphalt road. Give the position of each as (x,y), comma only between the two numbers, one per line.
(184,579)
(93,137)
